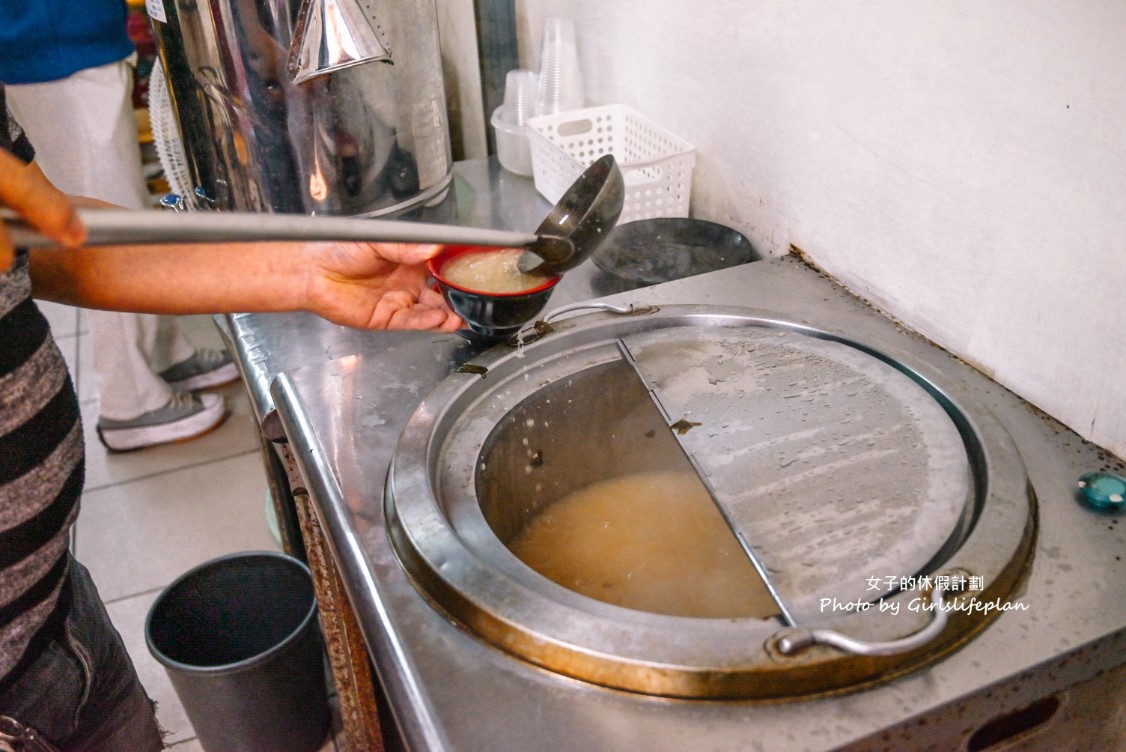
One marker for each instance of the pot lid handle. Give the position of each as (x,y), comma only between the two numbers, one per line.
(793,641)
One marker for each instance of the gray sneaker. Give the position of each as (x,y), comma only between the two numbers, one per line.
(206,368)
(186,416)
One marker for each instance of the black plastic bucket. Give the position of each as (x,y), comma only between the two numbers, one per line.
(238,637)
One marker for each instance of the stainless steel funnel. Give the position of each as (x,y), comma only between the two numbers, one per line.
(332,35)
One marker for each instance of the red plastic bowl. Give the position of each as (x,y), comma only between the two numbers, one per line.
(495,315)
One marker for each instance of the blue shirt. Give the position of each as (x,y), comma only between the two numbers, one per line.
(45,40)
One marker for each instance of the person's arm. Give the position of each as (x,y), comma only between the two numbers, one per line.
(372,286)
(363,285)
(24,188)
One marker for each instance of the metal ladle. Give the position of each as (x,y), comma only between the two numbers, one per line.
(585,215)
(567,236)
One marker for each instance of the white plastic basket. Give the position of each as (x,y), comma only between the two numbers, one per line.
(655,164)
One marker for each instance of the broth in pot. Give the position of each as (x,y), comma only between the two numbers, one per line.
(651,541)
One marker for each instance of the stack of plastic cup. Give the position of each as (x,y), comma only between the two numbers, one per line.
(513,149)
(519,96)
(560,80)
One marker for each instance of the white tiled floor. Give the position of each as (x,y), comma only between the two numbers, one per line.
(149,516)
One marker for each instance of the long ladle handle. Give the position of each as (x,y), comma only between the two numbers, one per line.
(128,227)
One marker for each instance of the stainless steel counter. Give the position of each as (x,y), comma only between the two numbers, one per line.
(343,397)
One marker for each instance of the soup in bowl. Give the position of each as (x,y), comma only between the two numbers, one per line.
(485,287)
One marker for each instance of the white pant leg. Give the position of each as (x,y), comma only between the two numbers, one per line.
(85,135)
(127,385)
(129,349)
(166,344)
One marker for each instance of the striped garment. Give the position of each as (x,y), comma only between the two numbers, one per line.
(41,455)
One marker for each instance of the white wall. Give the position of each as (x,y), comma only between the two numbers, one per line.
(960,164)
